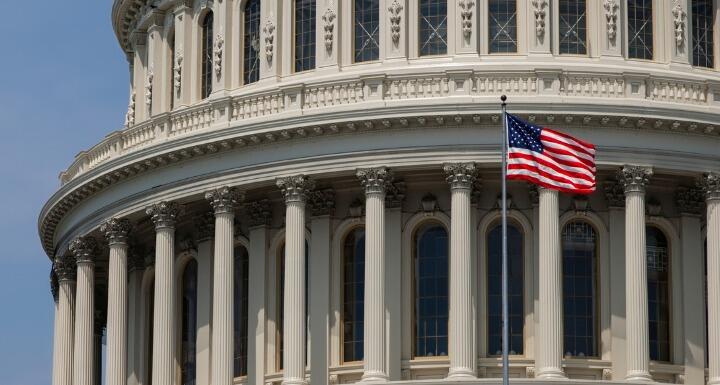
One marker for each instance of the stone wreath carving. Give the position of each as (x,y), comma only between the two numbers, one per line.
(395,9)
(130,114)
(611,7)
(466,14)
(149,89)
(217,54)
(269,31)
(679,23)
(329,18)
(540,14)
(177,71)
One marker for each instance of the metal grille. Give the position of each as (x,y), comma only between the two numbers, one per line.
(579,289)
(515,290)
(431,291)
(353,295)
(240,318)
(640,29)
(189,324)
(573,27)
(433,27)
(251,42)
(207,55)
(304,35)
(702,33)
(658,280)
(367,30)
(502,16)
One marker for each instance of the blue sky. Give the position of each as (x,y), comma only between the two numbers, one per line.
(63,87)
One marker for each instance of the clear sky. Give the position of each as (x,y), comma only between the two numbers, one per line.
(63,87)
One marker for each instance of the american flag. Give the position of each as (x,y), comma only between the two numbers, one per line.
(549,158)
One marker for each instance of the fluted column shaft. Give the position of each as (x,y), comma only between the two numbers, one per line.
(549,361)
(462,356)
(164,215)
(223,201)
(56,337)
(84,345)
(712,189)
(65,269)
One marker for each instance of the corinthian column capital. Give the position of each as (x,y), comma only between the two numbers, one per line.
(164,214)
(54,284)
(116,231)
(710,184)
(224,199)
(461,175)
(295,188)
(634,178)
(83,248)
(65,268)
(375,180)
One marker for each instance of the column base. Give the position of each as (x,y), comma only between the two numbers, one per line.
(550,374)
(461,374)
(638,376)
(374,376)
(294,381)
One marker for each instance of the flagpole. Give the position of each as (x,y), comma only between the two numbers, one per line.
(505,320)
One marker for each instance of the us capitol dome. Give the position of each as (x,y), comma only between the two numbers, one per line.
(306,192)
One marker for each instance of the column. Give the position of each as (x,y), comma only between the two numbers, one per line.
(164,215)
(223,201)
(295,190)
(393,289)
(83,249)
(634,179)
(116,232)
(461,177)
(615,195)
(203,346)
(65,269)
(136,268)
(259,214)
(375,181)
(550,335)
(711,185)
(319,285)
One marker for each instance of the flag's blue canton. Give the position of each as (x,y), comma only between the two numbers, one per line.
(522,134)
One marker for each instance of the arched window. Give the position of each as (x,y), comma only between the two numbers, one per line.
(432,27)
(367,30)
(658,271)
(573,27)
(431,291)
(579,248)
(240,309)
(304,35)
(515,290)
(640,29)
(188,324)
(171,71)
(702,33)
(502,19)
(281,308)
(251,42)
(207,55)
(353,295)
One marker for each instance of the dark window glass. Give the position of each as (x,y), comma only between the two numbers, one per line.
(240,309)
(502,17)
(640,29)
(431,291)
(658,270)
(189,324)
(281,301)
(573,27)
(515,290)
(207,55)
(702,33)
(433,27)
(353,294)
(251,42)
(579,289)
(367,30)
(304,35)
(171,71)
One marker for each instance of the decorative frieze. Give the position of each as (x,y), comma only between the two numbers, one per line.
(395,8)
(295,188)
(634,178)
(269,32)
(328,18)
(224,199)
(611,8)
(164,214)
(116,230)
(259,213)
(461,175)
(466,14)
(322,202)
(84,249)
(540,14)
(375,180)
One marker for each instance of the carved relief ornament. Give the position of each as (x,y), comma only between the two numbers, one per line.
(177,71)
(540,13)
(679,23)
(461,175)
(269,31)
(130,114)
(611,7)
(395,8)
(224,199)
(375,180)
(149,89)
(116,230)
(295,188)
(634,178)
(466,13)
(710,185)
(83,248)
(218,54)
(329,26)
(164,214)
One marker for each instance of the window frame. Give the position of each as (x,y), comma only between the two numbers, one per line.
(670,292)
(353,36)
(712,36)
(488,38)
(294,39)
(588,15)
(343,256)
(206,63)
(652,31)
(246,301)
(181,294)
(420,55)
(243,12)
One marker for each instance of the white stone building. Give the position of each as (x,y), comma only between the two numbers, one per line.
(305,191)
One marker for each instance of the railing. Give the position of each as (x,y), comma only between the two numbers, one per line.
(310,97)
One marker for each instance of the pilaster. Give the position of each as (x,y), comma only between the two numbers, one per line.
(393,291)
(155,67)
(271,17)
(257,255)
(182,62)
(225,47)
(329,40)
(464,26)
(394,16)
(539,32)
(136,344)
(615,195)
(205,262)
(137,98)
(711,187)
(319,298)
(612,27)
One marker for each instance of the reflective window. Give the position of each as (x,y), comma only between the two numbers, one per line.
(367,30)
(573,30)
(579,247)
(189,324)
(431,291)
(240,310)
(281,296)
(207,55)
(433,27)
(640,29)
(502,17)
(251,42)
(702,33)
(171,71)
(515,290)
(353,294)
(304,35)
(658,270)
